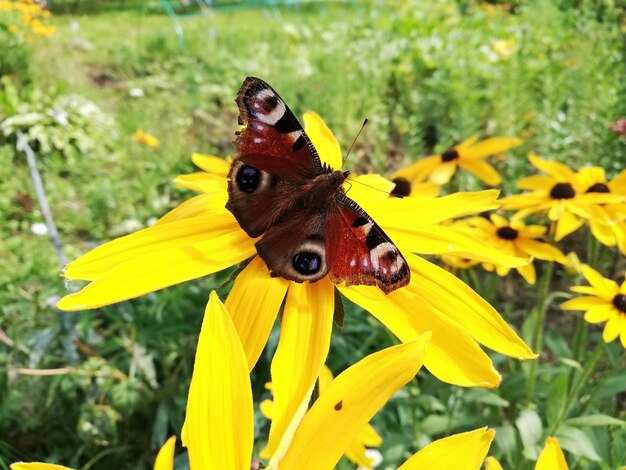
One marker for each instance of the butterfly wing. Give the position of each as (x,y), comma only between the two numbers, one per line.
(359,251)
(273,158)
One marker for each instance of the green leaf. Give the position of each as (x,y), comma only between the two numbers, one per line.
(506,439)
(611,386)
(530,428)
(577,442)
(556,397)
(482,395)
(571,363)
(595,420)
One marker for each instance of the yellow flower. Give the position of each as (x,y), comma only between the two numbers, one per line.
(515,238)
(143,138)
(605,302)
(164,460)
(201,237)
(505,48)
(356,452)
(559,193)
(607,220)
(468,155)
(551,458)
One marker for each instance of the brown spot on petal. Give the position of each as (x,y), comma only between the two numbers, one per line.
(339,405)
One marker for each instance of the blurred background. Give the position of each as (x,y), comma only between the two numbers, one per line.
(104,389)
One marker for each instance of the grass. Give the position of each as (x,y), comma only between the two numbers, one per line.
(425,74)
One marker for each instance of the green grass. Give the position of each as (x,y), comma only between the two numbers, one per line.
(425,74)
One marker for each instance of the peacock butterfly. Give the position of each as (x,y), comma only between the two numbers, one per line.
(279,188)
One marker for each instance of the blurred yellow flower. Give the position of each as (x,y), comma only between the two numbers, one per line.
(468,155)
(143,138)
(504,48)
(515,238)
(559,193)
(31,13)
(551,458)
(202,237)
(605,302)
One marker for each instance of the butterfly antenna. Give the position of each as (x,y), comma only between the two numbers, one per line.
(372,187)
(354,141)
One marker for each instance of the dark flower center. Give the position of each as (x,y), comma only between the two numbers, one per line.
(449,155)
(599,188)
(620,302)
(403,187)
(562,191)
(507,233)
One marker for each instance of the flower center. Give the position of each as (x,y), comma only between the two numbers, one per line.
(599,188)
(449,155)
(620,302)
(403,187)
(507,233)
(562,191)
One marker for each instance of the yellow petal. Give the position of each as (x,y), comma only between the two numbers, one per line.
(420,170)
(465,450)
(618,183)
(160,237)
(355,453)
(253,303)
(452,356)
(528,273)
(416,213)
(323,140)
(612,328)
(599,314)
(204,183)
(442,240)
(536,183)
(607,288)
(325,378)
(483,170)
(443,172)
(267,408)
(302,349)
(211,163)
(492,464)
(196,206)
(370,187)
(583,303)
(555,169)
(219,417)
(165,457)
(369,437)
(551,457)
(162,268)
(349,403)
(457,301)
(603,232)
(37,466)
(566,224)
(490,146)
(541,250)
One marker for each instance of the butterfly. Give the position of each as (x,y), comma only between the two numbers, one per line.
(279,190)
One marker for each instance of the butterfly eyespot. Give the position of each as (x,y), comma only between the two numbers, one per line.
(307,263)
(248,178)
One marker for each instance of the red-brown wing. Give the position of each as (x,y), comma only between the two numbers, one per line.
(359,252)
(274,157)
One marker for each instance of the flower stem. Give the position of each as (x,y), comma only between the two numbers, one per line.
(541,317)
(573,393)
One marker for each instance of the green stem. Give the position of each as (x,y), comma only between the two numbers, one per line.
(541,314)
(573,393)
(581,332)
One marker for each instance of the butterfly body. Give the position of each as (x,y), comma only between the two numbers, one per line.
(280,191)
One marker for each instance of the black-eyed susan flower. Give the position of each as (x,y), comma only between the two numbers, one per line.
(468,155)
(356,452)
(201,237)
(148,140)
(607,219)
(551,458)
(605,302)
(558,193)
(515,238)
